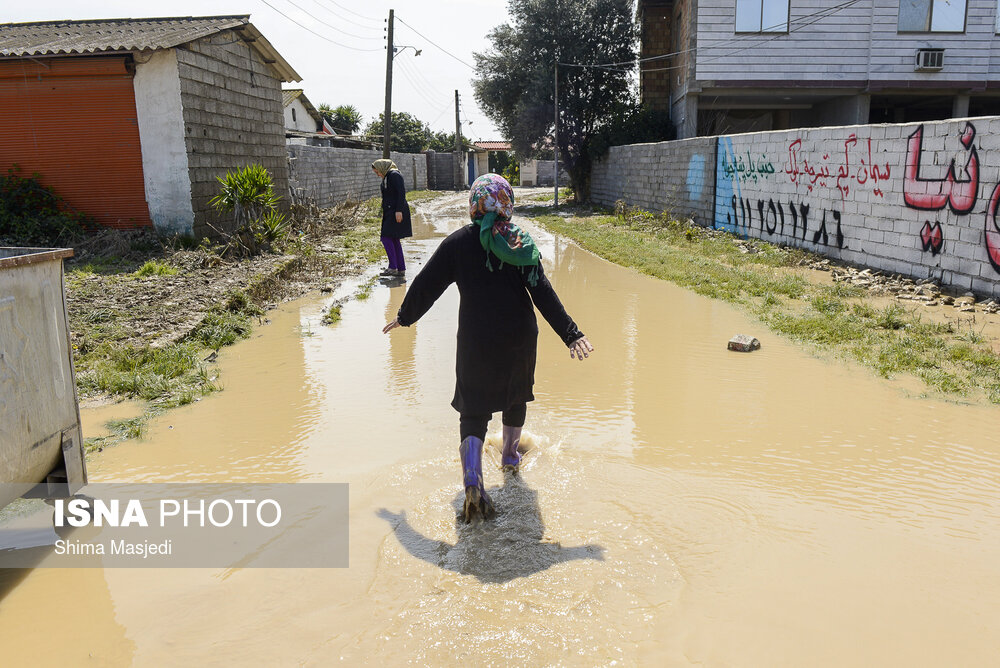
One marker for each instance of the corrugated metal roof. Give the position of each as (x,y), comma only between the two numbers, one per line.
(48,38)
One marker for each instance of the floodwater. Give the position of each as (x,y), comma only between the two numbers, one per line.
(682,504)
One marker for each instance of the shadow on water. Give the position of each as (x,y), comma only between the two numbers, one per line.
(508,547)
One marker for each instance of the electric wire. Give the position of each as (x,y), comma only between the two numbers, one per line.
(439,47)
(323,37)
(817,16)
(330,25)
(351,11)
(345,19)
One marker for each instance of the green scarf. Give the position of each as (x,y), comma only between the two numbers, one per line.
(509,243)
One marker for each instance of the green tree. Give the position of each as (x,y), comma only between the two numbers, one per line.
(444,141)
(409,134)
(514,78)
(345,119)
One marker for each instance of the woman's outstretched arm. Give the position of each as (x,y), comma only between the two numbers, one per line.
(548,304)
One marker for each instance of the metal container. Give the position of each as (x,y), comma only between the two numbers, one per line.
(40,438)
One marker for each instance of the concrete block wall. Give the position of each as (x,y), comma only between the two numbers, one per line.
(674,176)
(917,199)
(440,171)
(327,175)
(233,116)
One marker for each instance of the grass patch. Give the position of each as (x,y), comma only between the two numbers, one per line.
(755,275)
(156,268)
(332,315)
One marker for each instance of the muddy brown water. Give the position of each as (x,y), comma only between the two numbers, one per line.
(682,504)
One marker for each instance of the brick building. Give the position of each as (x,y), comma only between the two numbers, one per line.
(132,120)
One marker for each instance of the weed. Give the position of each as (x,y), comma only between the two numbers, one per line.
(332,315)
(156,268)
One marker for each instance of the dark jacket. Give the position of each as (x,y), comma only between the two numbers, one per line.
(393,200)
(497,330)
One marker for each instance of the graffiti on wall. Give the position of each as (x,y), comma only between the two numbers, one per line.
(804,197)
(795,217)
(842,174)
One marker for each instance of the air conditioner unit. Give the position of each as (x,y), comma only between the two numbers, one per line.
(929,60)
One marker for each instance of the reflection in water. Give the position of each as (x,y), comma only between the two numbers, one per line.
(509,546)
(402,365)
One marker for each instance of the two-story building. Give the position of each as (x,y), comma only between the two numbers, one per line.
(726,66)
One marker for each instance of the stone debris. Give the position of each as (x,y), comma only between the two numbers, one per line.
(743,343)
(924,291)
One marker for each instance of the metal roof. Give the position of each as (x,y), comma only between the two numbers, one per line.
(50,38)
(287,95)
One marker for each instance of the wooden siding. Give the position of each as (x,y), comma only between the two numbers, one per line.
(842,47)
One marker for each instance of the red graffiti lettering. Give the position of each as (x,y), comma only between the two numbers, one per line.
(934,194)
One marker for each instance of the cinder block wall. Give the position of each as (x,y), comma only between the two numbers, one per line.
(441,171)
(674,176)
(917,199)
(232,117)
(326,175)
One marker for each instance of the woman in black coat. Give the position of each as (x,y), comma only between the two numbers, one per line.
(395,215)
(499,275)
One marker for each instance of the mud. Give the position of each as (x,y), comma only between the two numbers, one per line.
(682,504)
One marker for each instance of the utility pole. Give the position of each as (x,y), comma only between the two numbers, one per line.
(556,133)
(458,146)
(387,118)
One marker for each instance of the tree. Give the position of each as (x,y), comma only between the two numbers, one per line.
(409,134)
(514,78)
(345,119)
(444,141)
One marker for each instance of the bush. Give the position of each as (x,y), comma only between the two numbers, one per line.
(255,224)
(31,214)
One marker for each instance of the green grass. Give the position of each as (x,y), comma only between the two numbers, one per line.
(156,268)
(332,315)
(757,276)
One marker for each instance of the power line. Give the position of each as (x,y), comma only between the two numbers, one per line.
(343,18)
(351,11)
(330,25)
(323,37)
(435,43)
(817,15)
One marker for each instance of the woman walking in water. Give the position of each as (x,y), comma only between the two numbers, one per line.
(499,274)
(395,215)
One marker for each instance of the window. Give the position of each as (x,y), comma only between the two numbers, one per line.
(763,15)
(293,115)
(931,16)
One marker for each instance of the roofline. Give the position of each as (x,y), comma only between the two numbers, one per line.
(269,53)
(256,39)
(245,17)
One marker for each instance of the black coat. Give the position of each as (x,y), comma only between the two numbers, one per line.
(497,330)
(393,200)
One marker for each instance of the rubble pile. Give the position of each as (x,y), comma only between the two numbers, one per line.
(924,291)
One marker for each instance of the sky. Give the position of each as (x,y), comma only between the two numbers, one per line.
(342,59)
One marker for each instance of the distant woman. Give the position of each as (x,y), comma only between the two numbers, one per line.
(395,215)
(497,268)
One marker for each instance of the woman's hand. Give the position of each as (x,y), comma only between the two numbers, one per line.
(580,348)
(399,216)
(394,324)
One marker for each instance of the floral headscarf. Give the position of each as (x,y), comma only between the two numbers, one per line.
(491,206)
(383,166)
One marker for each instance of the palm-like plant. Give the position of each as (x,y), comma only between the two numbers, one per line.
(254,222)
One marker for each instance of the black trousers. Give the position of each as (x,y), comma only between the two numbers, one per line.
(475,425)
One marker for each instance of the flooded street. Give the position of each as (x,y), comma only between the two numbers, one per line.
(681,505)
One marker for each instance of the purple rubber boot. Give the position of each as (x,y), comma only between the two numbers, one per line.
(477,502)
(510,460)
